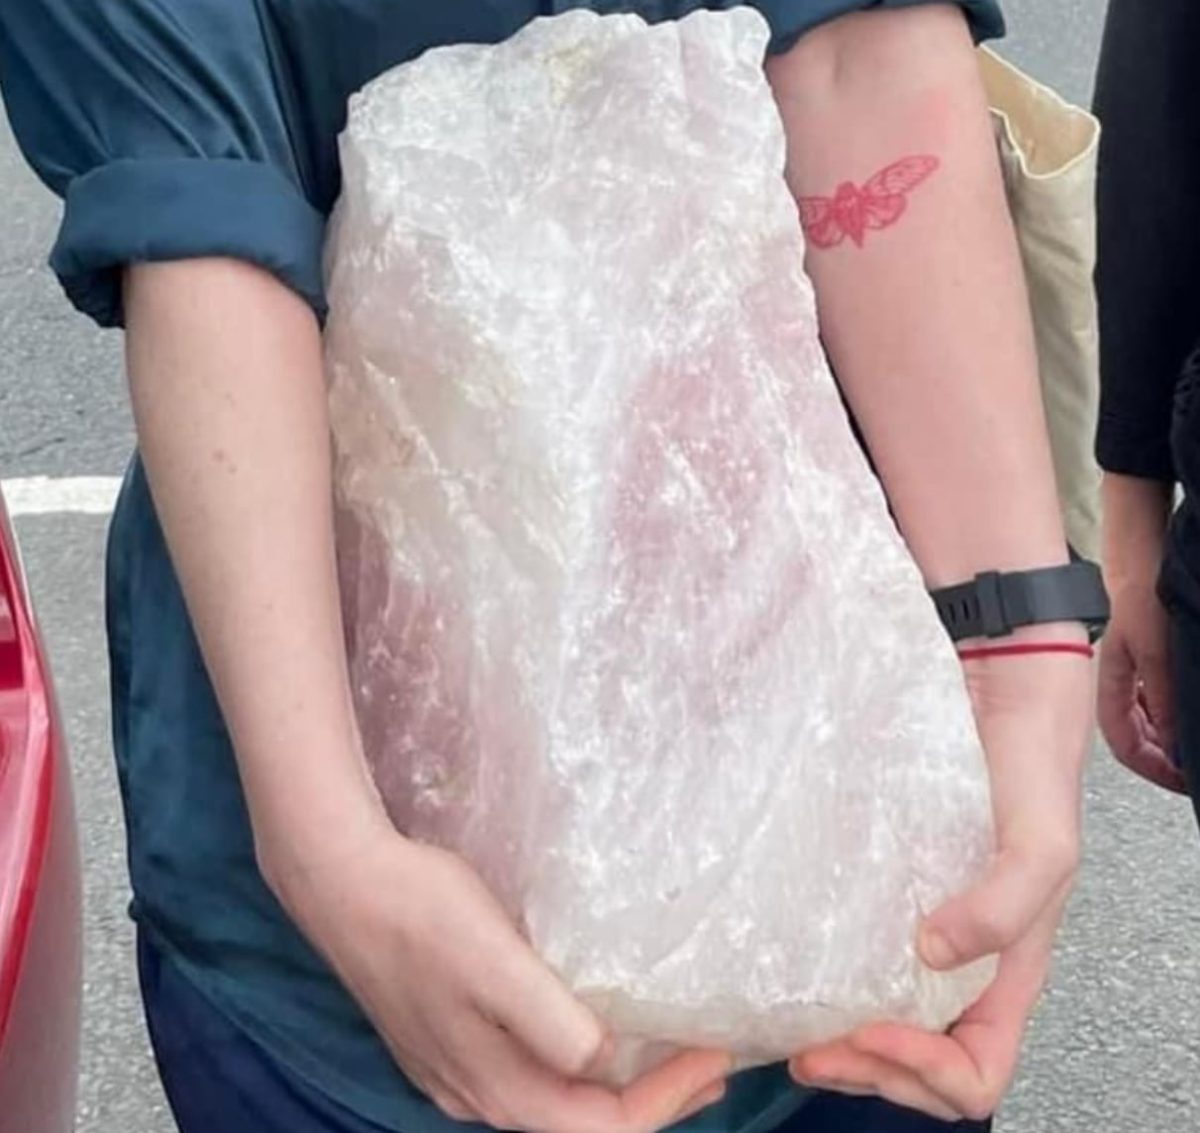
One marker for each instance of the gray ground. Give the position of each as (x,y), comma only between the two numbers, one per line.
(1116,1046)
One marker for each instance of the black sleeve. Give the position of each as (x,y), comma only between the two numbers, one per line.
(1148,275)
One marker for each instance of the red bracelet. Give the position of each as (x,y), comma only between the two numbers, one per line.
(1076,648)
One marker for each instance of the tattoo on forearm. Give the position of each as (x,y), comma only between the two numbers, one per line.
(854,210)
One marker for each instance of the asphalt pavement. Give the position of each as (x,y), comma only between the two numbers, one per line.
(1116,1044)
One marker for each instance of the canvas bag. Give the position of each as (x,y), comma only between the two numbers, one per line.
(1048,151)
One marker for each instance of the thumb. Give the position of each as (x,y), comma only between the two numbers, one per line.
(999,911)
(1158,696)
(1117,696)
(530,1002)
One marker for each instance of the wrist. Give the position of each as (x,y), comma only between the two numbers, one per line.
(305,846)
(1137,512)
(1074,634)
(1005,612)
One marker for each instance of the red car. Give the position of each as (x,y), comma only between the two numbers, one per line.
(40,927)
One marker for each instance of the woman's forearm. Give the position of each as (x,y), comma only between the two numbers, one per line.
(229,395)
(925,316)
(1136,514)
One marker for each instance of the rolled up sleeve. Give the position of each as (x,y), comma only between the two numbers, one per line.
(147,211)
(162,128)
(790,19)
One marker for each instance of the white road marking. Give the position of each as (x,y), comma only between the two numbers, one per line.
(43,495)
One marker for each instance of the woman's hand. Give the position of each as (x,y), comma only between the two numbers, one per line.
(468,1011)
(1137,693)
(1035,720)
(1136,697)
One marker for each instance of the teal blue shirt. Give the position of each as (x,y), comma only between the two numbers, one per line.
(184,128)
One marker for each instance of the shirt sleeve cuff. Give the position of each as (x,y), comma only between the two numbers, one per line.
(1134,451)
(792,18)
(153,211)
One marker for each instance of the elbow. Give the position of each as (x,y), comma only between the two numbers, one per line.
(879,55)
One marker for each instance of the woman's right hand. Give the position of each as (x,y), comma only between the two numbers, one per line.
(1136,689)
(469,1012)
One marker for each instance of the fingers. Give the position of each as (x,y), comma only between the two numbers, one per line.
(934,1068)
(653,1101)
(1021,883)
(448,1100)
(1156,768)
(1117,699)
(489,1033)
(512,1090)
(961,1074)
(514,1049)
(452,1107)
(547,1042)
(701,1102)
(1156,697)
(525,997)
(844,1068)
(972,1066)
(1138,722)
(1147,760)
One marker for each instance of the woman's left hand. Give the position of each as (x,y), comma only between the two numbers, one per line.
(1035,717)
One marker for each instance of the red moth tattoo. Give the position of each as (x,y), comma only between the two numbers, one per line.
(852,211)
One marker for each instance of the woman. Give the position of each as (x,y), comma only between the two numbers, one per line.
(304,967)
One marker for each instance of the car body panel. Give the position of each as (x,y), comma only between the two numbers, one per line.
(40,924)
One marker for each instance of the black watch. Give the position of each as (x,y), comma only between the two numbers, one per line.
(995,604)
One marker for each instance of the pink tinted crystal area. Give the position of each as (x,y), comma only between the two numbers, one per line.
(629,624)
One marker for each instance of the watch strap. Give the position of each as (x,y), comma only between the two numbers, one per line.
(994,604)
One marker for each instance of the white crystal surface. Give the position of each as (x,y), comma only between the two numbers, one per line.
(630,626)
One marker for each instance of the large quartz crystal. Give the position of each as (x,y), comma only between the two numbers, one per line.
(630,625)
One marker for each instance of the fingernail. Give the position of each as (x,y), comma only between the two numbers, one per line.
(936,950)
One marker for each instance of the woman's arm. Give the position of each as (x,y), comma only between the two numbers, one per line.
(229,396)
(927,323)
(233,427)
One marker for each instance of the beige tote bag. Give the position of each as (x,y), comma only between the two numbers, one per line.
(1048,151)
